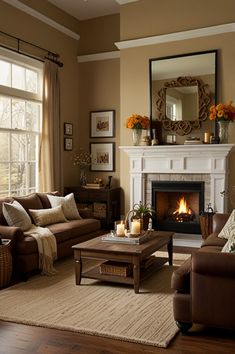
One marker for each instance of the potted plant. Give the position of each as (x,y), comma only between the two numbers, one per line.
(140,211)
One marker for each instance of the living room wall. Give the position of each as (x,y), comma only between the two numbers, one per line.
(19,24)
(134,69)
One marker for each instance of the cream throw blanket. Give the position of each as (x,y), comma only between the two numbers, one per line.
(47,248)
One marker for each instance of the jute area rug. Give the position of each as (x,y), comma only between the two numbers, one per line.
(96,308)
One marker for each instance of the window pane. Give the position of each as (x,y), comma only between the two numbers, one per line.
(18,175)
(18,147)
(18,77)
(32,116)
(5,112)
(31,81)
(4,147)
(32,144)
(5,73)
(32,174)
(4,177)
(18,114)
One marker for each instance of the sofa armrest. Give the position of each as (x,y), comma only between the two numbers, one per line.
(13,233)
(214,263)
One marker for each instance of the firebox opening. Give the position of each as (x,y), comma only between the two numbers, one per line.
(177,205)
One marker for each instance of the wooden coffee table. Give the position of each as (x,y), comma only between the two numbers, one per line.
(124,253)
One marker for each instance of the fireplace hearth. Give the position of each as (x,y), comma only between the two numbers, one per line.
(177,205)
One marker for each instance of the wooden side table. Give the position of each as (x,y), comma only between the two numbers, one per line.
(109,199)
(5,263)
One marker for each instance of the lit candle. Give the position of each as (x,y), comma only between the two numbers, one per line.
(120,229)
(135,227)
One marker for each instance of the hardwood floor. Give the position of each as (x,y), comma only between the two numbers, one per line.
(19,339)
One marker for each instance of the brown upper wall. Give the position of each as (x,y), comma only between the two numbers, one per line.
(154,17)
(99,34)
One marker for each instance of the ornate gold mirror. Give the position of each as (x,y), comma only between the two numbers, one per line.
(182,89)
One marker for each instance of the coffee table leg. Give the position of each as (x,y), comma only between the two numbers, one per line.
(78,267)
(170,251)
(136,274)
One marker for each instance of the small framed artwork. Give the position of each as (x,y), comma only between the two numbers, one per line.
(102,124)
(68,129)
(103,158)
(68,144)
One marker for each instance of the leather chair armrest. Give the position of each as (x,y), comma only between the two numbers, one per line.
(219,220)
(214,263)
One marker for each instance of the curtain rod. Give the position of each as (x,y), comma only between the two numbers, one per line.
(54,57)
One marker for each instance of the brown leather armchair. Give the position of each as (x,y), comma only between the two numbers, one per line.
(205,284)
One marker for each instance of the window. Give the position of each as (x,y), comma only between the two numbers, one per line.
(20,122)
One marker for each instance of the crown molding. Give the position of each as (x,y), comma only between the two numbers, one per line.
(98,56)
(177,36)
(123,2)
(19,5)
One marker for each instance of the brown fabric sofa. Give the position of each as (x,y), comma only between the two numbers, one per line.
(24,248)
(205,284)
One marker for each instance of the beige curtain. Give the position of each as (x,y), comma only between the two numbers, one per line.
(50,143)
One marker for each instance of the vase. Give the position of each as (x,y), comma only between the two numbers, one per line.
(136,136)
(223,131)
(82,177)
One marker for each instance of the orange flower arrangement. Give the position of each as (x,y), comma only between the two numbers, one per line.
(135,121)
(222,112)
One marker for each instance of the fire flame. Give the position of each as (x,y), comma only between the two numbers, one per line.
(183,207)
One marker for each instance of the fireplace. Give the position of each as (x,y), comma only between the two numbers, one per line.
(178,205)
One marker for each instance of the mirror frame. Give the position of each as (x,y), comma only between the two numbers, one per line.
(185,126)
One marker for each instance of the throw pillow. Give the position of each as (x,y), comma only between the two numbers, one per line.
(16,215)
(43,217)
(68,204)
(229,228)
(229,245)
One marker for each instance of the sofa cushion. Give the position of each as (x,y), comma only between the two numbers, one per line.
(229,228)
(2,218)
(180,280)
(68,204)
(229,245)
(30,201)
(16,215)
(73,229)
(44,199)
(214,240)
(43,217)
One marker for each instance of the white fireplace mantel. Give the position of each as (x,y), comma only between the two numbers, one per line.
(209,159)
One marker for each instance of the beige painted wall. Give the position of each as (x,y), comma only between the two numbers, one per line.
(99,34)
(19,24)
(154,17)
(134,85)
(99,89)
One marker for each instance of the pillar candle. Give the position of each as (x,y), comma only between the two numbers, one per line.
(207,138)
(135,227)
(120,229)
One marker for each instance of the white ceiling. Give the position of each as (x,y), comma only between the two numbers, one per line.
(85,9)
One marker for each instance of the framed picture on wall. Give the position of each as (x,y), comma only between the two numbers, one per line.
(103,156)
(68,144)
(102,124)
(68,129)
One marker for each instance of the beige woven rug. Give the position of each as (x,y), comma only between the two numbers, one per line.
(96,308)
